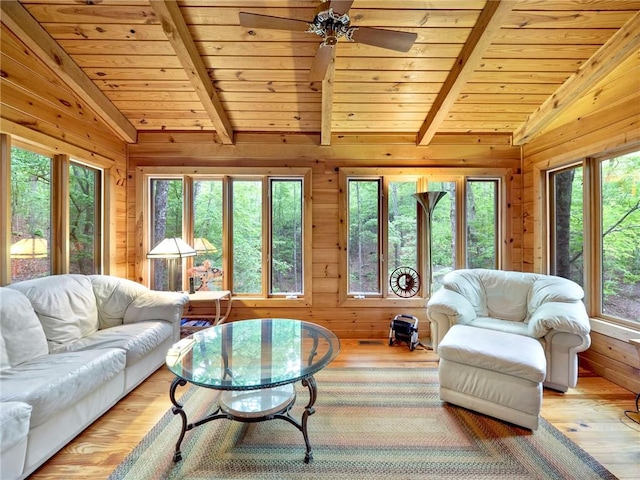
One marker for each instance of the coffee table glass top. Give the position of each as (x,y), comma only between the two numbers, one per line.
(251,354)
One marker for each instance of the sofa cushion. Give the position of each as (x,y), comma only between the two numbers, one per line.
(54,382)
(14,423)
(65,305)
(136,339)
(518,328)
(21,334)
(113,297)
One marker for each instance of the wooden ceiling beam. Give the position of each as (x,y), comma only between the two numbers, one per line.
(177,32)
(615,51)
(20,21)
(327,103)
(488,25)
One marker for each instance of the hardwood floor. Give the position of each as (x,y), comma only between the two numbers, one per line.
(591,415)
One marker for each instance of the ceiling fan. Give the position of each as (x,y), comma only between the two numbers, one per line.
(331,25)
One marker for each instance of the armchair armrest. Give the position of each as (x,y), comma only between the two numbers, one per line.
(559,316)
(156,305)
(446,308)
(450,305)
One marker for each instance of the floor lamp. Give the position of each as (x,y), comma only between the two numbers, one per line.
(173,250)
(429,200)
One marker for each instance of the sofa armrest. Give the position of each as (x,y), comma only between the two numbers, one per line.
(559,316)
(156,305)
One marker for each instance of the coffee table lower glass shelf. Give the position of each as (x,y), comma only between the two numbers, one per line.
(255,364)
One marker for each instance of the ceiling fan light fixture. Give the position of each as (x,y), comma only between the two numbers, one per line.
(331,26)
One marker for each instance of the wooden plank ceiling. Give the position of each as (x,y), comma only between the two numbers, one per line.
(477,66)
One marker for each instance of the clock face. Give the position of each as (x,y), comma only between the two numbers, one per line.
(404,282)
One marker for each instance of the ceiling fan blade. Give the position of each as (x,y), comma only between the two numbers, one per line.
(253,20)
(340,6)
(390,39)
(321,62)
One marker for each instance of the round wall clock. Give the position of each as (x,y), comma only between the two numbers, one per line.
(404,282)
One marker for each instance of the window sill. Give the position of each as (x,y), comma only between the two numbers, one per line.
(619,332)
(279,302)
(384,302)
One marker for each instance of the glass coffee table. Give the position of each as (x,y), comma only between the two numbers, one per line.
(255,364)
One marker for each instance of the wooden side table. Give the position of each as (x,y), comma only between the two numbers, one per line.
(210,296)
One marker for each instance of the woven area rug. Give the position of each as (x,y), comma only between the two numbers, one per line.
(369,424)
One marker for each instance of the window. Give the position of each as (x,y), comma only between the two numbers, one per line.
(250,230)
(166,222)
(385,229)
(247,236)
(85,219)
(605,223)
(286,236)
(364,236)
(207,234)
(30,215)
(620,236)
(482,219)
(41,185)
(444,232)
(402,226)
(566,239)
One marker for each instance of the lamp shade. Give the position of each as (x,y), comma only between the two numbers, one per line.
(202,245)
(29,248)
(172,248)
(429,200)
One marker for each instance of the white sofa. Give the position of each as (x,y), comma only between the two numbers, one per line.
(544,307)
(71,346)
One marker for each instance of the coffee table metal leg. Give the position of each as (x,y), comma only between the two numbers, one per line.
(177,410)
(310,383)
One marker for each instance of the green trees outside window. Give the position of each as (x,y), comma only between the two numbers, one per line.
(444,232)
(166,222)
(286,228)
(35,180)
(402,226)
(364,236)
(609,226)
(482,219)
(85,219)
(566,258)
(384,219)
(247,236)
(30,215)
(247,231)
(620,236)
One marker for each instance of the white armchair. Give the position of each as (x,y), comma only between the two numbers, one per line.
(544,307)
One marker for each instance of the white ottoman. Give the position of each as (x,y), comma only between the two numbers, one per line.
(496,373)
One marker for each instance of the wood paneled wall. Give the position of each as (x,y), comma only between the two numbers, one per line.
(40,110)
(607,119)
(446,151)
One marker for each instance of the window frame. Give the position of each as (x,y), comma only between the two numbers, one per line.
(60,165)
(499,216)
(190,174)
(422,176)
(592,234)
